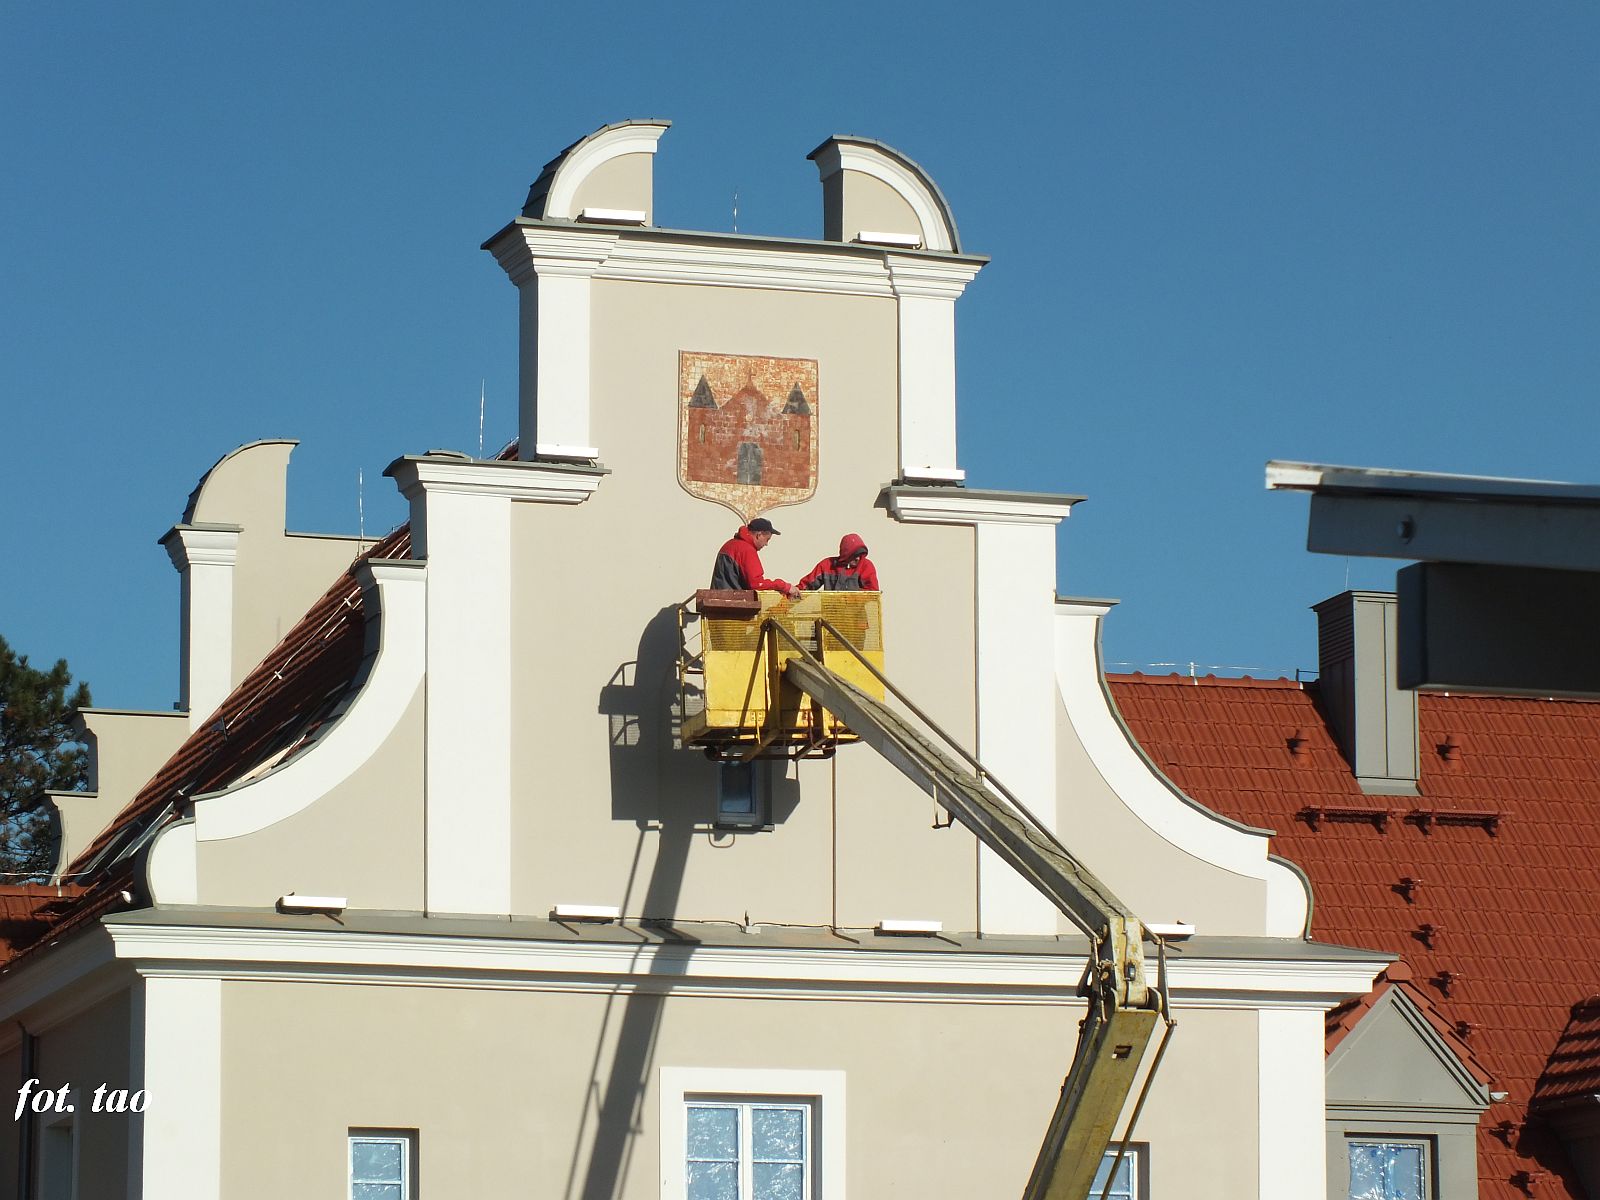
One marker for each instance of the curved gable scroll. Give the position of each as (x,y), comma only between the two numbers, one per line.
(1154,799)
(841,155)
(555,195)
(394,672)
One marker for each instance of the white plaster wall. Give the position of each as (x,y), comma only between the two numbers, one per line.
(469,728)
(1016,701)
(175,1145)
(605,811)
(1292,1105)
(945,1100)
(927,341)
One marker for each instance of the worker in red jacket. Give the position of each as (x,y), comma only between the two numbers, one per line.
(851,571)
(739,561)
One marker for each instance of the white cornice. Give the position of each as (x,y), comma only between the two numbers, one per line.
(525,251)
(202,545)
(477,477)
(653,260)
(938,279)
(55,984)
(941,506)
(757,971)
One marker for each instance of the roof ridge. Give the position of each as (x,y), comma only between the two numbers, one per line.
(1276,682)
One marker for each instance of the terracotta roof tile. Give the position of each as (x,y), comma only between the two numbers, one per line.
(1493,896)
(272,715)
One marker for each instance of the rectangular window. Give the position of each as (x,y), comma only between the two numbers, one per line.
(382,1164)
(748,1149)
(752,1133)
(1389,1168)
(741,796)
(1129,1181)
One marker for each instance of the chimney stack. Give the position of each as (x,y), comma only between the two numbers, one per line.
(1373,719)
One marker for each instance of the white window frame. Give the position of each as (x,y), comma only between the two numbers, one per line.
(824,1090)
(1138,1162)
(407,1140)
(745,1107)
(1421,1142)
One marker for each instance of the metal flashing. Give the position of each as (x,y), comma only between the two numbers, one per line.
(704,237)
(1319,477)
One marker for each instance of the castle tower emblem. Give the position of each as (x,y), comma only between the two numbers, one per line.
(747,430)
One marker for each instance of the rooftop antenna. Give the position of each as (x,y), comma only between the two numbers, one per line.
(482,383)
(736,210)
(361,509)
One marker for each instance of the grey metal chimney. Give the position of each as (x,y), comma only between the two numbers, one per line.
(1373,719)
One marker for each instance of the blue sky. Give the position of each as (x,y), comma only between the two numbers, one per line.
(1355,233)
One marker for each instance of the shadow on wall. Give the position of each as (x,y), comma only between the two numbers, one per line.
(652,779)
(613,1106)
(666,792)
(670,794)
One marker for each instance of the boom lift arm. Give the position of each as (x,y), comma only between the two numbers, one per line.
(1123,1008)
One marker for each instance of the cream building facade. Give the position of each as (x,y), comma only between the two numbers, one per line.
(350,934)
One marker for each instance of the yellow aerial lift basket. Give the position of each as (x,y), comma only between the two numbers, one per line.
(733,698)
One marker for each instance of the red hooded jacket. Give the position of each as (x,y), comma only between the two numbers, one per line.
(851,571)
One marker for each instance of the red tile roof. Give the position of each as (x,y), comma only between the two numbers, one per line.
(276,712)
(272,715)
(1485,884)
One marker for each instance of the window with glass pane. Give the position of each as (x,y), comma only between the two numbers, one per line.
(1126,1184)
(1388,1170)
(380,1166)
(748,1150)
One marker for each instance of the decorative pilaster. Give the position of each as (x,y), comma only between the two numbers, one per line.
(1015,640)
(554,269)
(461,523)
(926,290)
(204,556)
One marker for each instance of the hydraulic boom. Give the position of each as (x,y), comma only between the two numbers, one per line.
(1123,1009)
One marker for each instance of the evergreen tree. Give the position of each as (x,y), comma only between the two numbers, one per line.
(39,752)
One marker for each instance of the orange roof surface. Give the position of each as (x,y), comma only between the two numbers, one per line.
(1484,884)
(276,712)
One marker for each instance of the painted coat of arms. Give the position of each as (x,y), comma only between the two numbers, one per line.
(747,430)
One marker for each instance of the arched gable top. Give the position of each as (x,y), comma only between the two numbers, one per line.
(869,187)
(610,170)
(248,478)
